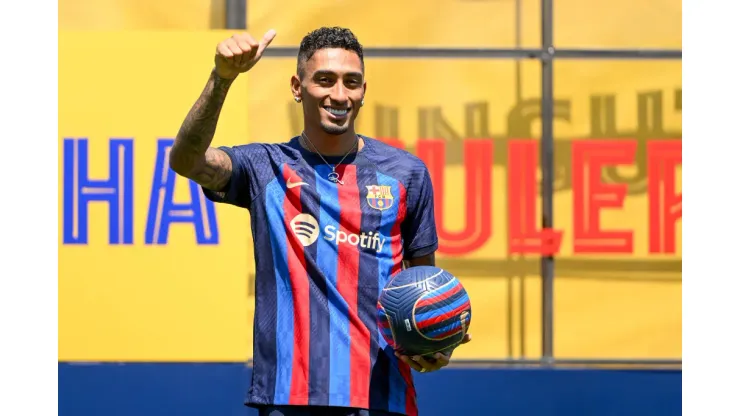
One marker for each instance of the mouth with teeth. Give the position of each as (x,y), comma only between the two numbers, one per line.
(337,112)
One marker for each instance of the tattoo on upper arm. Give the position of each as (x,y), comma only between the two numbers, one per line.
(216,171)
(191,154)
(200,124)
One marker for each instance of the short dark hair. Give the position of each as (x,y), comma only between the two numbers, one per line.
(325,38)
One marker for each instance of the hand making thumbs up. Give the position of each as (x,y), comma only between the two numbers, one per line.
(240,53)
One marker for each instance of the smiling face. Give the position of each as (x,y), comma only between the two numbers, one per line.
(332,86)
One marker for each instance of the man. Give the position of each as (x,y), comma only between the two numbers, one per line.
(334,215)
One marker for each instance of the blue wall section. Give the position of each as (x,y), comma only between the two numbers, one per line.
(155,389)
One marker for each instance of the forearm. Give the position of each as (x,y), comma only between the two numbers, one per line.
(188,153)
(428,260)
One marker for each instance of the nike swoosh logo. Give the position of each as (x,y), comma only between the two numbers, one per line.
(291,185)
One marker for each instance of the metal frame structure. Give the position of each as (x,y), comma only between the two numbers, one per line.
(236,18)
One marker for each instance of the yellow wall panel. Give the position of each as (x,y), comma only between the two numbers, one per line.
(618,24)
(465,23)
(188,301)
(577,23)
(141,14)
(173,301)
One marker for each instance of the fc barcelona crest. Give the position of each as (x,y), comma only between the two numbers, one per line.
(379,196)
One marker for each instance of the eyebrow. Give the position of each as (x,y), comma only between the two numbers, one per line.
(325,72)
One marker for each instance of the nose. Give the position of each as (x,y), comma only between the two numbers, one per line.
(339,93)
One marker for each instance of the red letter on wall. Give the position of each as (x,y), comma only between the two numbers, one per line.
(665,202)
(590,195)
(478,175)
(524,237)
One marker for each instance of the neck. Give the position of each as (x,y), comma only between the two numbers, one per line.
(330,144)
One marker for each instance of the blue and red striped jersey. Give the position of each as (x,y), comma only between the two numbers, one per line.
(323,253)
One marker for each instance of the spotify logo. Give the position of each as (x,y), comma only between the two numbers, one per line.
(306,228)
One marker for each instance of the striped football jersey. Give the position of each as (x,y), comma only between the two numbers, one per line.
(323,252)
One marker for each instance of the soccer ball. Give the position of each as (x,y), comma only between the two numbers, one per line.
(424,310)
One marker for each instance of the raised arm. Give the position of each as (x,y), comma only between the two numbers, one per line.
(191,155)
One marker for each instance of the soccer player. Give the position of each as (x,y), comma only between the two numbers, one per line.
(334,215)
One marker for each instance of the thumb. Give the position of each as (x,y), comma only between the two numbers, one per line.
(266,40)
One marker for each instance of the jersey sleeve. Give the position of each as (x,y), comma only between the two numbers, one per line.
(419,229)
(247,163)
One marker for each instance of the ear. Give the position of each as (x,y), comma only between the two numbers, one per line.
(295,87)
(364,90)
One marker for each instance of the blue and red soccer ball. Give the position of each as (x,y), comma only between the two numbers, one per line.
(424,310)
